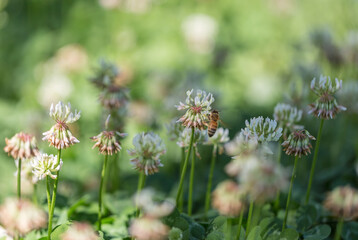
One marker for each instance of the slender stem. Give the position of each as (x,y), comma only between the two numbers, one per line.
(210,180)
(248,225)
(48,190)
(19,179)
(101,190)
(240,224)
(191,184)
(256,215)
(279,153)
(34,194)
(314,161)
(181,200)
(228,228)
(53,202)
(289,193)
(339,228)
(180,189)
(141,183)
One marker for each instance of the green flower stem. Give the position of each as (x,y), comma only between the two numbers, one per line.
(48,190)
(191,184)
(53,202)
(279,154)
(181,200)
(240,224)
(289,193)
(228,228)
(256,215)
(314,161)
(19,179)
(101,190)
(141,183)
(210,180)
(34,195)
(339,228)
(180,189)
(248,225)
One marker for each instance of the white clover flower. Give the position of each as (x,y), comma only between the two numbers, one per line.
(174,129)
(262,130)
(46,165)
(298,143)
(262,178)
(107,142)
(146,228)
(21,146)
(145,201)
(80,231)
(59,135)
(325,106)
(185,135)
(197,109)
(220,137)
(240,145)
(287,117)
(148,147)
(342,202)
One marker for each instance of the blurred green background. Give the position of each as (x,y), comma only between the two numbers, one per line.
(249,54)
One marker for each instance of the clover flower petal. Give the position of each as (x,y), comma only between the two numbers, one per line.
(80,231)
(326,105)
(262,130)
(298,143)
(107,143)
(343,202)
(148,147)
(185,135)
(21,146)
(46,165)
(197,109)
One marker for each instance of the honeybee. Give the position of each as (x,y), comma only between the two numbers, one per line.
(213,122)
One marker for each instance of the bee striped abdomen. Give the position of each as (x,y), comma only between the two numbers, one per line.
(212,128)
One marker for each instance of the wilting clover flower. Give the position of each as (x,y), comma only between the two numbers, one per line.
(146,228)
(105,74)
(262,178)
(227,199)
(150,208)
(21,146)
(46,165)
(114,97)
(174,130)
(148,147)
(220,137)
(80,231)
(107,142)
(59,135)
(325,106)
(298,143)
(262,130)
(343,202)
(21,217)
(287,117)
(197,109)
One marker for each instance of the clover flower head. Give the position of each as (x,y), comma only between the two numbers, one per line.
(148,147)
(146,228)
(107,143)
(21,216)
(59,135)
(185,135)
(227,199)
(238,162)
(174,130)
(349,96)
(150,208)
(240,144)
(197,109)
(105,74)
(80,231)
(21,146)
(46,165)
(343,202)
(175,234)
(220,137)
(298,143)
(261,179)
(262,130)
(325,106)
(114,97)
(287,117)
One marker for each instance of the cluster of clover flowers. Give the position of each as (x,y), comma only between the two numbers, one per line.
(251,158)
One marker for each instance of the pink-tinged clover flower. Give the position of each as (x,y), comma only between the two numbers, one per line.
(46,165)
(298,143)
(197,109)
(325,106)
(80,231)
(146,228)
(107,142)
(59,135)
(21,217)
(342,202)
(261,130)
(148,148)
(21,146)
